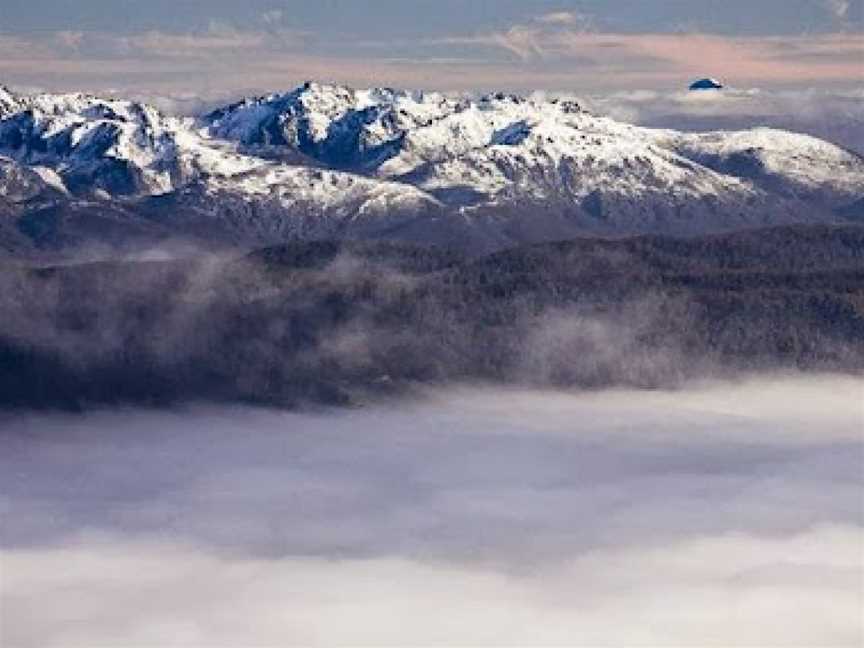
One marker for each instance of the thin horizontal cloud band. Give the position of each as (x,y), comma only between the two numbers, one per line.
(160,61)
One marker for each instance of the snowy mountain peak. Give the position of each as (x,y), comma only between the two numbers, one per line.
(342,156)
(380,131)
(112,145)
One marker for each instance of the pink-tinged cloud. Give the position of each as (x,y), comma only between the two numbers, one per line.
(554,54)
(832,57)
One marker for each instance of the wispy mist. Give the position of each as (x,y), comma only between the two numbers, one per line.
(338,322)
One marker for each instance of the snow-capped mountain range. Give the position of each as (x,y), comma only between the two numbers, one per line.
(327,161)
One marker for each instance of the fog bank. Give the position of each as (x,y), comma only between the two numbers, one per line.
(724,514)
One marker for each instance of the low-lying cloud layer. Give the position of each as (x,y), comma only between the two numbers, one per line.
(474,517)
(837,116)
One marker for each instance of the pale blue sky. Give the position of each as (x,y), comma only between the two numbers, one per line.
(383,18)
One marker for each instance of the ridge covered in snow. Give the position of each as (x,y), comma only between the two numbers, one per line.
(501,168)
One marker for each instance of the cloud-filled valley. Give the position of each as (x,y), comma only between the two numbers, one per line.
(290,362)
(647,441)
(471,516)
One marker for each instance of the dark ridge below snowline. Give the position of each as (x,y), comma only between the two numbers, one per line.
(337,323)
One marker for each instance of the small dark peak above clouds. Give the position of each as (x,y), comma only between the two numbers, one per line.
(706,84)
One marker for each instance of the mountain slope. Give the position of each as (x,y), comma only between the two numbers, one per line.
(328,161)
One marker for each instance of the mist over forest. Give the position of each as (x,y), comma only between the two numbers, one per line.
(342,322)
(527,447)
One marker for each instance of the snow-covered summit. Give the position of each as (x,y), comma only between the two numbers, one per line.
(380,130)
(118,146)
(509,166)
(525,147)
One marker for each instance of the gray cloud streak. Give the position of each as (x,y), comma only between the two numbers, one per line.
(556,51)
